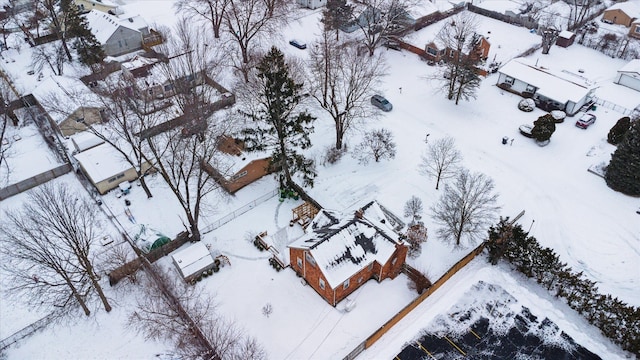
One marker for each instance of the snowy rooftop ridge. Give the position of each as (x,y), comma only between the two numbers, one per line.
(630,8)
(104,25)
(66,93)
(343,244)
(558,85)
(632,66)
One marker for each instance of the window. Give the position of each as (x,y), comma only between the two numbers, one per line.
(360,280)
(637,29)
(321,284)
(345,285)
(239,175)
(531,89)
(393,262)
(310,259)
(168,87)
(80,120)
(432,51)
(509,80)
(370,267)
(300,263)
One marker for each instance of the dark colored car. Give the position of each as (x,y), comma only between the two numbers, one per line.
(299,44)
(381,103)
(586,120)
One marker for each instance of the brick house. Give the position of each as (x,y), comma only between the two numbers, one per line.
(339,252)
(479,51)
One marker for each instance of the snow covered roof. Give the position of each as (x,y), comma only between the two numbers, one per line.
(133,21)
(192,259)
(566,34)
(630,8)
(560,86)
(102,162)
(103,25)
(343,245)
(61,96)
(632,68)
(85,140)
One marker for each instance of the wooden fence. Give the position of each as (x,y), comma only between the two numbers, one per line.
(34,181)
(516,20)
(413,304)
(154,255)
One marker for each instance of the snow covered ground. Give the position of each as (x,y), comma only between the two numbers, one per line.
(590,227)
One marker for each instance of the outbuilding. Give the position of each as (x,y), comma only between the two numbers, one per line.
(193,261)
(629,75)
(565,38)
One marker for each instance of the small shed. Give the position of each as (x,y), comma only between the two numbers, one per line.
(85,141)
(565,38)
(193,261)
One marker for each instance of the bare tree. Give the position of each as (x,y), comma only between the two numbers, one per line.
(211,11)
(580,9)
(184,157)
(377,144)
(441,160)
(549,37)
(378,19)
(466,208)
(249,22)
(413,209)
(170,310)
(48,247)
(342,83)
(55,15)
(6,95)
(459,37)
(50,55)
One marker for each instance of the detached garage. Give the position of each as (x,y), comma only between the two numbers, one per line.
(629,75)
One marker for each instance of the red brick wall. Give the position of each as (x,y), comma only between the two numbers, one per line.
(312,274)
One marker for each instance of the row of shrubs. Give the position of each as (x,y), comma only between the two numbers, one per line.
(617,320)
(206,274)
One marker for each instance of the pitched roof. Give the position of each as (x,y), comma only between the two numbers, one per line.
(632,67)
(561,86)
(630,8)
(104,25)
(343,245)
(60,96)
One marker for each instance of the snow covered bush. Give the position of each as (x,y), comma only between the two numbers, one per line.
(377,144)
(526,105)
(558,115)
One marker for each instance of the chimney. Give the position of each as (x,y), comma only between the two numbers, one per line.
(359,213)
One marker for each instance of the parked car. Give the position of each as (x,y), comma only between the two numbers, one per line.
(586,120)
(381,103)
(299,44)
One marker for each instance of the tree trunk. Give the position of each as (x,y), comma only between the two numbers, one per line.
(96,285)
(77,296)
(145,187)
(339,133)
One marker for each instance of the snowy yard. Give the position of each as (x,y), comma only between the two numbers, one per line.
(592,228)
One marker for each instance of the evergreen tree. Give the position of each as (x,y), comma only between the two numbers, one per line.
(543,128)
(616,134)
(623,172)
(336,14)
(89,50)
(280,127)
